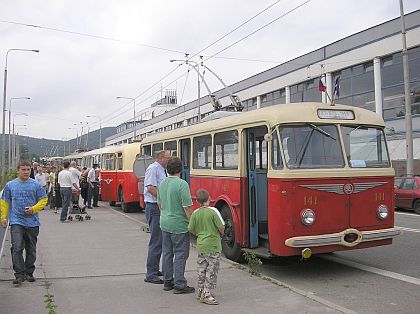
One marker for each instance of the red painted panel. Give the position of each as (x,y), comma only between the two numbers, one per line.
(364,204)
(232,191)
(334,211)
(109,186)
(129,184)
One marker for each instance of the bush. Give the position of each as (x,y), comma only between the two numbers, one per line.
(9,175)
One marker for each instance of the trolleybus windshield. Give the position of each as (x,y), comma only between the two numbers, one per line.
(311,146)
(365,147)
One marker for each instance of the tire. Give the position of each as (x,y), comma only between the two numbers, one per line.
(416,207)
(111,203)
(230,247)
(124,205)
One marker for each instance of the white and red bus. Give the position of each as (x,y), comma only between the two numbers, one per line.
(291,179)
(118,182)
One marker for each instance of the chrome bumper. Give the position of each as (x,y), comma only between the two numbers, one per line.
(339,238)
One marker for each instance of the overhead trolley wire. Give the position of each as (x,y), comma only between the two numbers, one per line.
(92,36)
(258,29)
(235,29)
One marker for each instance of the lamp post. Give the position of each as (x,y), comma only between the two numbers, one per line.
(198,83)
(134,111)
(77,136)
(3,140)
(10,118)
(22,127)
(13,149)
(407,99)
(100,128)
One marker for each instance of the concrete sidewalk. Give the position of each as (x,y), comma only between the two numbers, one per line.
(98,266)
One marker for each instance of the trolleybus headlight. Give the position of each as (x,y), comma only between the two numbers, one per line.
(308,217)
(382,212)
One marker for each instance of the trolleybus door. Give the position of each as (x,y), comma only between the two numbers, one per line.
(185,157)
(257,183)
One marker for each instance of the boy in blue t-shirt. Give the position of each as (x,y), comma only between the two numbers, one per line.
(207,224)
(20,203)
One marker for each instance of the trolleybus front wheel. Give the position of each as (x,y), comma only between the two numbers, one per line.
(231,248)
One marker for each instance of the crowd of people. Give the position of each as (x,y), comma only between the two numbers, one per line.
(168,208)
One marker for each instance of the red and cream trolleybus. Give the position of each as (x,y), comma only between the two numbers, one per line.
(118,182)
(291,179)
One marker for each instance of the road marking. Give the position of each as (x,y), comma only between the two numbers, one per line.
(409,229)
(374,270)
(129,217)
(407,214)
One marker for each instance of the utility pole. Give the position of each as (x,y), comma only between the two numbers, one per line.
(407,100)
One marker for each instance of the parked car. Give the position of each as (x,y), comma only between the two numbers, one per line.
(407,193)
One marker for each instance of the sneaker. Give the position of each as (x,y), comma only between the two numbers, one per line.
(95,205)
(154,280)
(168,286)
(209,299)
(18,281)
(187,289)
(30,278)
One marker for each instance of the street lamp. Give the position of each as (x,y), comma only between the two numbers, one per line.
(13,149)
(10,118)
(198,82)
(22,126)
(3,140)
(134,110)
(100,128)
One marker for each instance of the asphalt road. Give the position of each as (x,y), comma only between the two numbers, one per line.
(380,280)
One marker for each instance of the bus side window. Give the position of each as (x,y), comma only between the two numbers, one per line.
(171,147)
(202,152)
(261,154)
(120,161)
(226,150)
(156,148)
(147,150)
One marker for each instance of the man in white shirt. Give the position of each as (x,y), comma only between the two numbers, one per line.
(41,178)
(93,189)
(76,178)
(66,182)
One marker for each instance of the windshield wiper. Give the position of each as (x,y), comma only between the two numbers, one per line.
(313,126)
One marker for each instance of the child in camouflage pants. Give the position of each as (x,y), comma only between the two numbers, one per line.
(207,224)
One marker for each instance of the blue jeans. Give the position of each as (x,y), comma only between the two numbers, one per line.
(23,238)
(65,198)
(155,243)
(176,249)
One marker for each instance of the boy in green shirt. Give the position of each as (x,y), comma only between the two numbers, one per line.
(207,224)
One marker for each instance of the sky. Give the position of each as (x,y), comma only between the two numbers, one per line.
(93,51)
